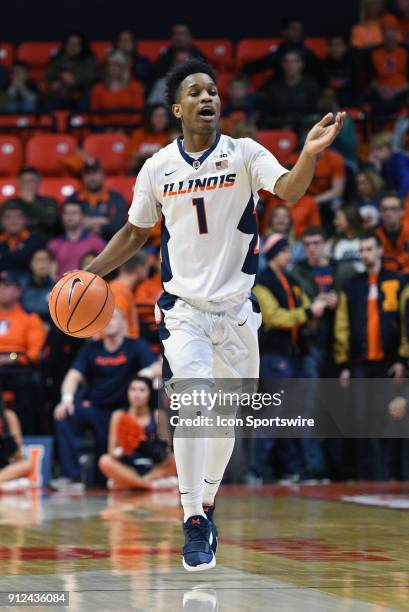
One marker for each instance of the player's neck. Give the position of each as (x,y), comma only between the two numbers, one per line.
(193,143)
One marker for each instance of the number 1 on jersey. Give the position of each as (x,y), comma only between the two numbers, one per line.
(201,214)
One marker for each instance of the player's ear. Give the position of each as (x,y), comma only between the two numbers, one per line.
(177,110)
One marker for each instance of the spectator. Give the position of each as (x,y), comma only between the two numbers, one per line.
(123,287)
(139,454)
(17,243)
(75,242)
(37,288)
(105,209)
(117,91)
(240,101)
(303,213)
(367,345)
(281,223)
(148,139)
(389,70)
(22,336)
(369,187)
(181,41)
(157,94)
(402,7)
(139,66)
(21,94)
(146,294)
(285,100)
(14,469)
(70,74)
(392,166)
(41,211)
(343,248)
(393,234)
(293,41)
(339,71)
(87,259)
(368,32)
(107,366)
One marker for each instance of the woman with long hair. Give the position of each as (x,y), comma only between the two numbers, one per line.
(117,91)
(152,136)
(139,455)
(343,248)
(14,469)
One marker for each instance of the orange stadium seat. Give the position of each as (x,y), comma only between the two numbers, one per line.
(110,149)
(100,48)
(8,189)
(37,55)
(123,184)
(59,188)
(318,46)
(152,48)
(45,152)
(249,49)
(11,155)
(281,143)
(219,52)
(6,54)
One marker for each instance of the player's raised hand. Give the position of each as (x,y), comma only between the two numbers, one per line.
(323,133)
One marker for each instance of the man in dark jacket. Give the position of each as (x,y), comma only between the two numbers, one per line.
(181,41)
(17,243)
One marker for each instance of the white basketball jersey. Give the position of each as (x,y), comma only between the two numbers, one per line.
(209,243)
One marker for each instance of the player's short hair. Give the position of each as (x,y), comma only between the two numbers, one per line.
(176,76)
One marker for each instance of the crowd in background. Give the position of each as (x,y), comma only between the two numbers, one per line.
(332,285)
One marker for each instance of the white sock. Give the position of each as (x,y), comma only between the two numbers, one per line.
(218,453)
(190,457)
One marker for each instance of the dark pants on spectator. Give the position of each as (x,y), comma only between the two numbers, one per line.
(24,383)
(69,430)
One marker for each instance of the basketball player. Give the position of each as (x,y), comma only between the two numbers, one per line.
(205,186)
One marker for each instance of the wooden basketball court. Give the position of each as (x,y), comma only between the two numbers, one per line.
(322,548)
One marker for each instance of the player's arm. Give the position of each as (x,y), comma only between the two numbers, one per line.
(69,387)
(122,246)
(292,185)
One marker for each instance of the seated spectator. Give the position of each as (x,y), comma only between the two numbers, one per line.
(391,165)
(117,91)
(139,455)
(122,287)
(304,213)
(281,223)
(369,187)
(76,241)
(339,71)
(37,288)
(105,209)
(107,366)
(139,66)
(239,105)
(181,41)
(22,336)
(70,74)
(146,294)
(293,41)
(393,233)
(343,248)
(285,100)
(14,468)
(21,95)
(402,6)
(17,243)
(41,211)
(152,136)
(368,32)
(157,94)
(388,70)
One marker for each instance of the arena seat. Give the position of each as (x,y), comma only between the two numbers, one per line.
(152,48)
(59,188)
(281,143)
(123,184)
(219,52)
(45,152)
(249,49)
(318,46)
(6,54)
(110,149)
(11,155)
(8,188)
(37,55)
(100,48)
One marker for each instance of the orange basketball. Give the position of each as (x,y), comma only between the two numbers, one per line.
(81,304)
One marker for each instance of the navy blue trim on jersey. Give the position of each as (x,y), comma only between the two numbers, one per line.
(190,160)
(248,225)
(254,303)
(165,302)
(166,270)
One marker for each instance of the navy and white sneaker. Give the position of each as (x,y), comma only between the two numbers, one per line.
(197,553)
(209,511)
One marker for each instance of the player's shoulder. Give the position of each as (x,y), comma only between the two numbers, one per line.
(163,156)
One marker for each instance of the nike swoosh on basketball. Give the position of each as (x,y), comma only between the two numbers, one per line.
(74,283)
(241,324)
(167,173)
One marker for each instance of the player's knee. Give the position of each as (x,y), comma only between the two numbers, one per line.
(105,462)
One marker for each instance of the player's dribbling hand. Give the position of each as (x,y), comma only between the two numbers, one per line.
(63,410)
(323,133)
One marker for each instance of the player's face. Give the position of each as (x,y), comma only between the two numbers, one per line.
(198,104)
(138,394)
